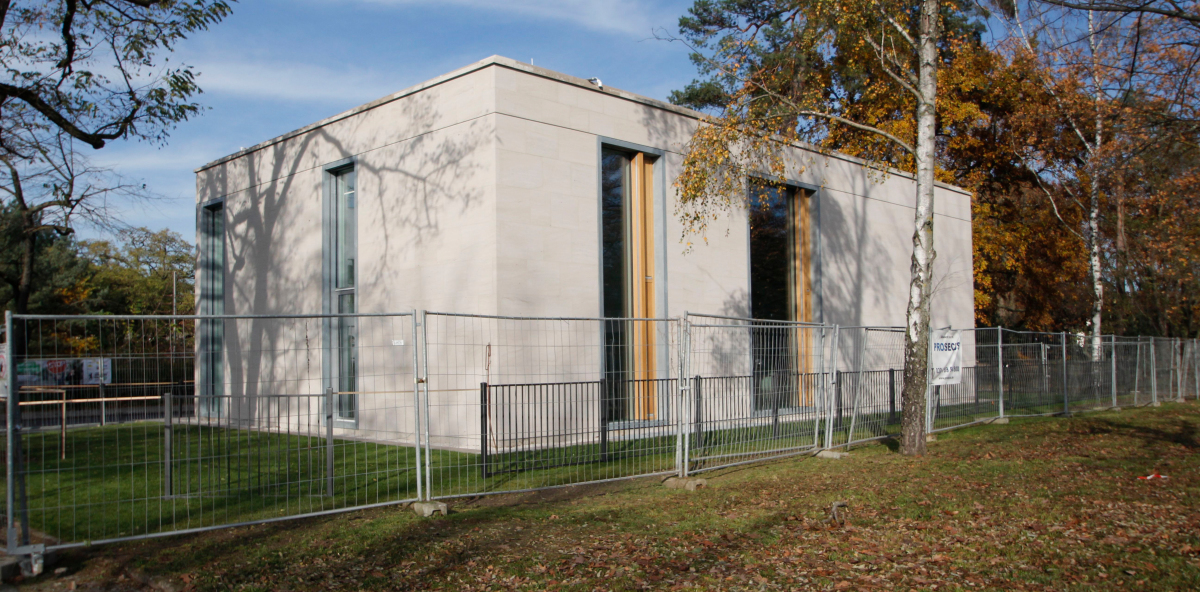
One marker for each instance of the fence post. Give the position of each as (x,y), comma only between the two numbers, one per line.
(424,381)
(1153,376)
(891,395)
(11,434)
(837,398)
(1173,374)
(1137,372)
(1045,366)
(167,420)
(1066,405)
(929,386)
(698,411)
(833,354)
(483,428)
(681,437)
(62,432)
(775,412)
(103,410)
(1000,366)
(1179,368)
(417,404)
(329,401)
(858,387)
(1196,365)
(1113,364)
(604,418)
(1170,368)
(819,389)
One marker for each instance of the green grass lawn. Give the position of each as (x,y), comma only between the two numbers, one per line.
(113,480)
(1039,504)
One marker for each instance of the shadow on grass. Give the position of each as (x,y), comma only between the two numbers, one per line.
(1182,433)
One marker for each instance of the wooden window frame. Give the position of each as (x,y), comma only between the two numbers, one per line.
(640,281)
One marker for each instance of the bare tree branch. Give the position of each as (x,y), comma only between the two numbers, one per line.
(1144,7)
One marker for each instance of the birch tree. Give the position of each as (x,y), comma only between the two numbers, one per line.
(1113,71)
(786,71)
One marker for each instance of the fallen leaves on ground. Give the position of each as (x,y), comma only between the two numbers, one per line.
(1045,504)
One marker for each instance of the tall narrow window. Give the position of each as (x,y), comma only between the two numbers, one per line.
(212,302)
(345,254)
(627,250)
(780,290)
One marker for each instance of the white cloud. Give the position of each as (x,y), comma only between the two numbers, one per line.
(633,17)
(293,81)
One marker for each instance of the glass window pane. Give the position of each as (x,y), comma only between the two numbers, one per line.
(614,190)
(347,358)
(771,276)
(613,198)
(346,244)
(770,255)
(212,302)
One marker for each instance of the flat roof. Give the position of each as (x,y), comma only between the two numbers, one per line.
(510,63)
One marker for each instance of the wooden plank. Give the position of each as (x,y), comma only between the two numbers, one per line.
(801,272)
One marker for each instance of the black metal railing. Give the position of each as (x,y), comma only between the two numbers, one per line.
(525,427)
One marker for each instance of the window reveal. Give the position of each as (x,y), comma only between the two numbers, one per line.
(628,291)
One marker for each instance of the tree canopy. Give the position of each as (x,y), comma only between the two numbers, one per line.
(1011,120)
(94,69)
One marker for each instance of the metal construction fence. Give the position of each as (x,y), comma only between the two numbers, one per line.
(120,428)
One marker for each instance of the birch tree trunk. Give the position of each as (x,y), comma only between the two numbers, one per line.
(1094,167)
(916,343)
(1094,266)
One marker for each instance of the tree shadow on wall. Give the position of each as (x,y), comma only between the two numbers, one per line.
(413,184)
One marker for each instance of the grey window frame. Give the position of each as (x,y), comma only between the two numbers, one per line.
(211,346)
(331,291)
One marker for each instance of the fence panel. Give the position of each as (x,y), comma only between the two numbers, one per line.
(978,395)
(1191,370)
(515,404)
(863,397)
(759,389)
(130,427)
(874,402)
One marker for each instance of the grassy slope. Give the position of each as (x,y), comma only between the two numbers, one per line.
(1038,504)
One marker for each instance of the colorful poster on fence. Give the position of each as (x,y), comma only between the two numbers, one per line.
(74,371)
(945,363)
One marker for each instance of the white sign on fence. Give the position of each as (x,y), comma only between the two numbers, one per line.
(945,360)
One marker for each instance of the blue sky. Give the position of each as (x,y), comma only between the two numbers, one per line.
(277,65)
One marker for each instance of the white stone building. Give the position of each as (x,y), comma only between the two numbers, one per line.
(507,189)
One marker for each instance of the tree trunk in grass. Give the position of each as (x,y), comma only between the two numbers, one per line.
(916,343)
